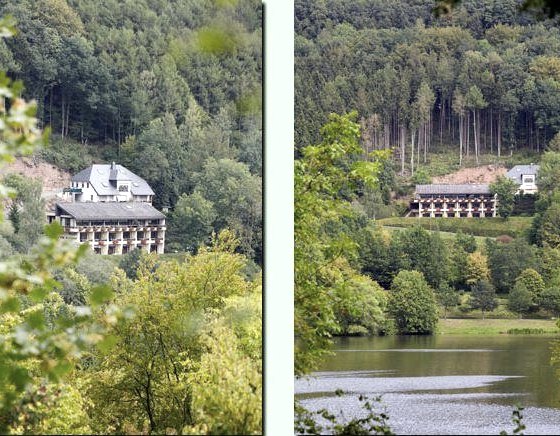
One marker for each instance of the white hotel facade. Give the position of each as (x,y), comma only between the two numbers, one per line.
(110,208)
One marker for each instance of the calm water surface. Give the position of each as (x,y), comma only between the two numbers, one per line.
(442,384)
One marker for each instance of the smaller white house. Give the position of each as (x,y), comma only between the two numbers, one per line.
(526,177)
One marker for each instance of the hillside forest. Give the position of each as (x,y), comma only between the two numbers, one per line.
(140,343)
(169,89)
(389,95)
(483,79)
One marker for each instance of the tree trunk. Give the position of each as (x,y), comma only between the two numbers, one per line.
(412,135)
(403,147)
(476,145)
(499,134)
(63,118)
(491,133)
(67,117)
(468,130)
(441,119)
(461,122)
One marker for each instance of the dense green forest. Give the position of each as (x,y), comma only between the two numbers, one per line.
(140,343)
(482,79)
(170,89)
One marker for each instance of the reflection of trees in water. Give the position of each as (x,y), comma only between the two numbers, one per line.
(527,357)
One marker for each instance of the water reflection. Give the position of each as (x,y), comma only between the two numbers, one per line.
(443,384)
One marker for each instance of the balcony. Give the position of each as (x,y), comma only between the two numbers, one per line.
(73,190)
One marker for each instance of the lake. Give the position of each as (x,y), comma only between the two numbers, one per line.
(441,384)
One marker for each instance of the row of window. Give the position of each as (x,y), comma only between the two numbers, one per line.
(125,249)
(126,235)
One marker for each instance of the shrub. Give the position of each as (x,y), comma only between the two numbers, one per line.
(526,331)
(520,299)
(413,304)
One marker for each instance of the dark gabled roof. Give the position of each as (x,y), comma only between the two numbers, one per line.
(522,170)
(110,210)
(452,189)
(101,175)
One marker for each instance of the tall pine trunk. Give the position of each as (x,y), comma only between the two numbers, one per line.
(412,135)
(403,147)
(499,134)
(461,135)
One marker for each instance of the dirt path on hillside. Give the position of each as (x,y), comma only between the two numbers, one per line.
(481,174)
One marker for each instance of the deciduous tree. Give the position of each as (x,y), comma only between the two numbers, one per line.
(413,304)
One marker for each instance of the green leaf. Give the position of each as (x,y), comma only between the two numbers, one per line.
(38,294)
(36,320)
(54,230)
(19,377)
(107,343)
(60,369)
(100,294)
(82,250)
(10,305)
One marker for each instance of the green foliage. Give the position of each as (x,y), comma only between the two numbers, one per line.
(27,211)
(549,262)
(520,299)
(359,302)
(413,304)
(548,231)
(532,281)
(507,261)
(230,402)
(192,222)
(34,344)
(526,331)
(421,177)
(482,65)
(68,155)
(447,297)
(550,299)
(466,242)
(130,262)
(51,409)
(476,268)
(517,419)
(165,369)
(140,87)
(554,143)
(548,177)
(505,188)
(483,297)
(326,178)
(235,195)
(423,251)
(378,255)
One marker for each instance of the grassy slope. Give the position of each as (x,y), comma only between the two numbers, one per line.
(484,227)
(492,326)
